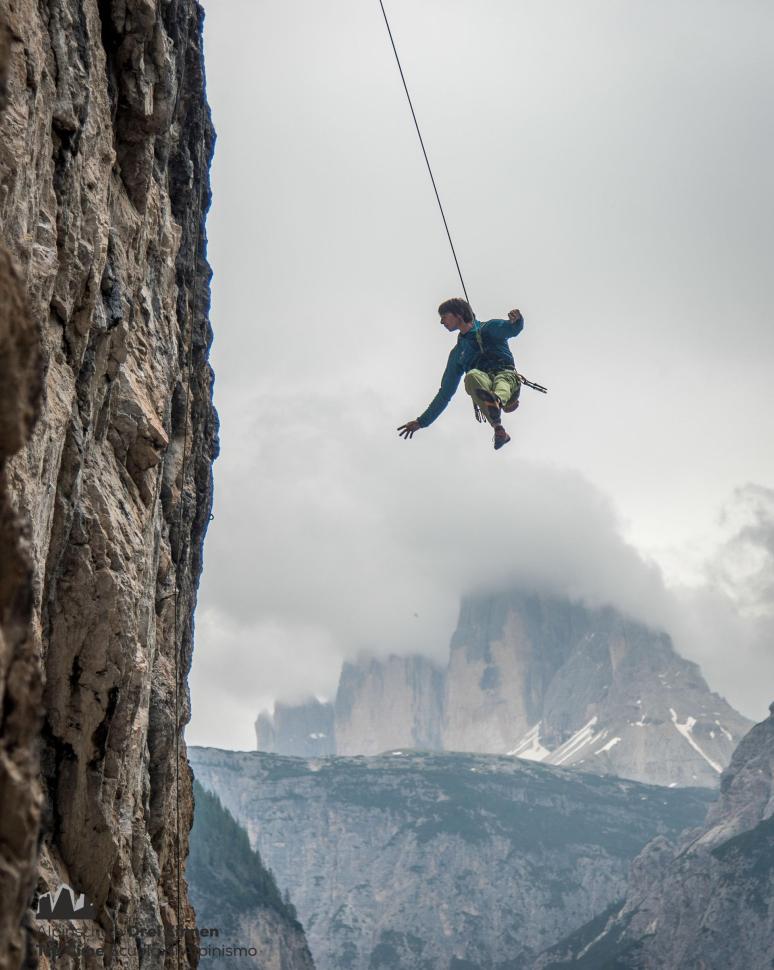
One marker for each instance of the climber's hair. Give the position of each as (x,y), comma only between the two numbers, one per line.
(459,307)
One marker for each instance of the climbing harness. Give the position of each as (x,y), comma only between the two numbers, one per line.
(522,380)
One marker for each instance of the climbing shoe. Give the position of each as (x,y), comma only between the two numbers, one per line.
(501,437)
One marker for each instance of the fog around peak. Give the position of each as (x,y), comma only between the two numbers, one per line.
(607,174)
(357,555)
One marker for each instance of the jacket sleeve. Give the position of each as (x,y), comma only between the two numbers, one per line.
(504,328)
(449,384)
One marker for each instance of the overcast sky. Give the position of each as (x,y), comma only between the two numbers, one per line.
(606,168)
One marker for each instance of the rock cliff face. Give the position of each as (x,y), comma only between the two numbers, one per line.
(549,680)
(706,903)
(554,681)
(438,861)
(384,704)
(105,144)
(21,381)
(380,705)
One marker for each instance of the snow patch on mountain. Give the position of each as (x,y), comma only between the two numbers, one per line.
(530,747)
(686,730)
(610,744)
(579,740)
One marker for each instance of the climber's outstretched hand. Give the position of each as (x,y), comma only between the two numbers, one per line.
(407,430)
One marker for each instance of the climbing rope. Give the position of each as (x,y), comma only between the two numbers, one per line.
(421,142)
(523,380)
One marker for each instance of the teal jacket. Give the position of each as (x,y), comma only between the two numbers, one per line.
(485,347)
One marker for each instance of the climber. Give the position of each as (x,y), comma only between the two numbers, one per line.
(482,354)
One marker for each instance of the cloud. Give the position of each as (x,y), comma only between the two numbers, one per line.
(342,523)
(612,213)
(743,567)
(241,667)
(332,538)
(725,621)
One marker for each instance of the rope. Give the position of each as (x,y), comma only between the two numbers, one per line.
(537,387)
(421,142)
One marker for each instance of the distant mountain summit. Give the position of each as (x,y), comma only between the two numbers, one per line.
(536,677)
(583,688)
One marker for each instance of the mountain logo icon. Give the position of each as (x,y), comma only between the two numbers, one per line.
(65,905)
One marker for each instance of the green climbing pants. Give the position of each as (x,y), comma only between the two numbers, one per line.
(504,383)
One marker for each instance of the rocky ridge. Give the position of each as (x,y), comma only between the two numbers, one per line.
(705,902)
(107,436)
(431,861)
(541,678)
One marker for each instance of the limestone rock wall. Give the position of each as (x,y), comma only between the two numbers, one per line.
(278,946)
(545,678)
(706,902)
(21,382)
(433,861)
(387,704)
(105,145)
(246,922)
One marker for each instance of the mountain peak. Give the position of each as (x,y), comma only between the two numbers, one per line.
(547,679)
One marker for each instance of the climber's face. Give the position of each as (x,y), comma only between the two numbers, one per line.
(451,321)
